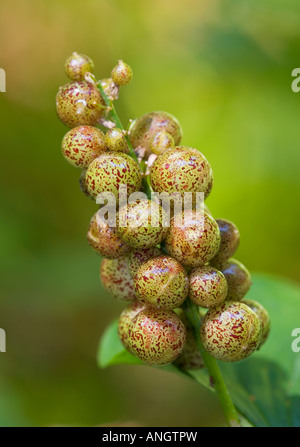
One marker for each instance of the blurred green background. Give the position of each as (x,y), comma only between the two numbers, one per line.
(223,68)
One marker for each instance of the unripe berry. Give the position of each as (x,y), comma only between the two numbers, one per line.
(115,140)
(231,332)
(162,142)
(122,73)
(138,257)
(208,286)
(116,279)
(145,224)
(230,239)
(238,279)
(157,337)
(263,316)
(82,144)
(125,321)
(110,88)
(161,283)
(77,65)
(79,103)
(143,130)
(195,241)
(190,359)
(181,170)
(110,170)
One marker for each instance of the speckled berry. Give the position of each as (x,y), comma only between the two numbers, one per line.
(79,103)
(161,283)
(77,65)
(138,257)
(82,144)
(238,279)
(181,170)
(231,332)
(112,169)
(122,73)
(195,241)
(142,224)
(115,140)
(143,130)
(263,316)
(157,337)
(162,142)
(190,359)
(110,88)
(116,279)
(208,286)
(125,321)
(105,240)
(230,239)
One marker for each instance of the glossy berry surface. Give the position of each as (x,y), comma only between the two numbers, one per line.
(82,144)
(230,239)
(195,241)
(162,142)
(238,279)
(116,279)
(122,73)
(208,286)
(77,65)
(231,332)
(161,283)
(143,130)
(79,103)
(110,170)
(137,257)
(125,321)
(263,316)
(157,337)
(115,140)
(104,239)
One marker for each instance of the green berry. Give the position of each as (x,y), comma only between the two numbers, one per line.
(230,239)
(263,316)
(122,73)
(115,140)
(238,279)
(110,88)
(181,170)
(190,359)
(231,332)
(162,142)
(142,224)
(77,65)
(143,130)
(82,144)
(110,170)
(116,279)
(195,241)
(104,239)
(157,337)
(79,103)
(138,257)
(208,286)
(125,321)
(161,283)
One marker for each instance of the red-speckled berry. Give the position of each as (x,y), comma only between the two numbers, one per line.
(138,257)
(263,316)
(190,359)
(79,103)
(230,239)
(115,140)
(142,224)
(125,320)
(238,279)
(105,240)
(161,283)
(77,65)
(231,332)
(116,279)
(82,144)
(122,73)
(162,142)
(112,169)
(181,170)
(208,286)
(157,337)
(143,130)
(195,241)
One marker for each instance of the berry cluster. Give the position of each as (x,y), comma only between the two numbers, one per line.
(154,263)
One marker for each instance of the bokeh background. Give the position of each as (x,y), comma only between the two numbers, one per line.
(223,68)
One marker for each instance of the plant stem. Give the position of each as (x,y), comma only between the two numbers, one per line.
(192,314)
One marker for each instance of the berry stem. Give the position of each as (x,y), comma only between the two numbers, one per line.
(191,311)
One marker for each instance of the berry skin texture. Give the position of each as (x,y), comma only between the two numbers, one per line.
(180,170)
(77,65)
(79,103)
(122,73)
(238,279)
(162,142)
(208,287)
(115,141)
(143,130)
(110,170)
(105,240)
(116,279)
(138,257)
(195,241)
(161,283)
(231,332)
(230,239)
(145,224)
(125,320)
(263,316)
(82,185)
(157,337)
(82,144)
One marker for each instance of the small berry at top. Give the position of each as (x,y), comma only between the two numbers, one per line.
(122,73)
(115,140)
(77,65)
